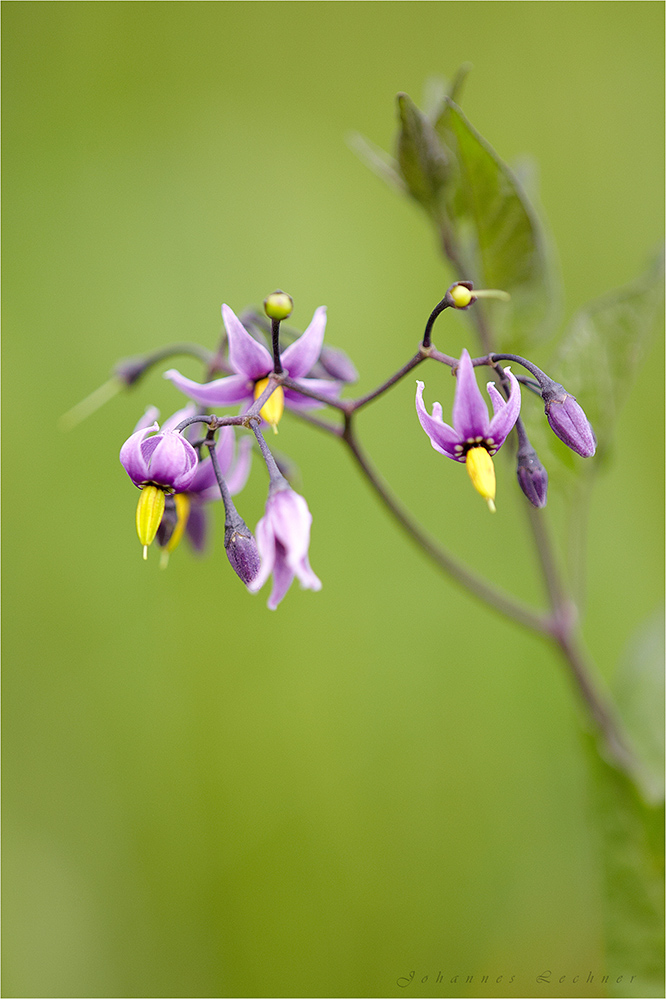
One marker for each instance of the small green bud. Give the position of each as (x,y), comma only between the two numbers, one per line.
(279,305)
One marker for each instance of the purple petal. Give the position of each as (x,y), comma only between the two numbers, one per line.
(131,456)
(171,461)
(306,577)
(470,414)
(151,416)
(246,355)
(323,386)
(506,413)
(241,469)
(266,542)
(302,354)
(222,392)
(197,526)
(205,481)
(181,414)
(283,576)
(442,437)
(291,521)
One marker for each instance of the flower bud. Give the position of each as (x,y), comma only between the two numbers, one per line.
(279,305)
(243,553)
(568,421)
(131,369)
(532,476)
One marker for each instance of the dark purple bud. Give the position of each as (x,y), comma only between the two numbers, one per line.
(532,476)
(130,370)
(568,421)
(242,552)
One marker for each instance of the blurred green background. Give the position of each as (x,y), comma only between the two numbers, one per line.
(204,798)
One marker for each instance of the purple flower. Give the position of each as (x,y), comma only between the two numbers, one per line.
(568,420)
(253,363)
(283,536)
(164,459)
(474,437)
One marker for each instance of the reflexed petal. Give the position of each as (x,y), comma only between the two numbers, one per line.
(506,413)
(179,416)
(151,416)
(246,355)
(470,413)
(222,392)
(131,457)
(306,577)
(299,358)
(442,437)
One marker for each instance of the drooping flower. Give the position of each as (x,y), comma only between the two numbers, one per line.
(283,536)
(162,463)
(253,364)
(473,438)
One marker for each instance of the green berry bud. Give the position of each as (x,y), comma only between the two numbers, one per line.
(279,305)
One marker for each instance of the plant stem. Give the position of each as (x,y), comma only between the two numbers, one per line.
(501,602)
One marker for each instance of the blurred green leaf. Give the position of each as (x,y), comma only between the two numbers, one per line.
(495,233)
(422,161)
(630,832)
(639,694)
(604,345)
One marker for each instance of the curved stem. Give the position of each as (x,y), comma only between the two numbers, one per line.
(478,587)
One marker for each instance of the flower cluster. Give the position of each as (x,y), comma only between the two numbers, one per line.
(195,458)
(178,476)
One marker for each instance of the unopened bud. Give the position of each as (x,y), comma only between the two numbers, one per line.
(243,553)
(532,476)
(568,421)
(279,305)
(131,369)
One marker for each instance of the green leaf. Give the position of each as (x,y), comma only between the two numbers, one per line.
(495,233)
(630,844)
(604,345)
(422,161)
(639,694)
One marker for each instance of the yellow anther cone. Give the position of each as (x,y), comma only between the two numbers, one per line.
(148,515)
(182,501)
(274,407)
(482,473)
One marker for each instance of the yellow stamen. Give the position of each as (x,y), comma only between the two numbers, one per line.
(482,473)
(273,409)
(182,501)
(148,515)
